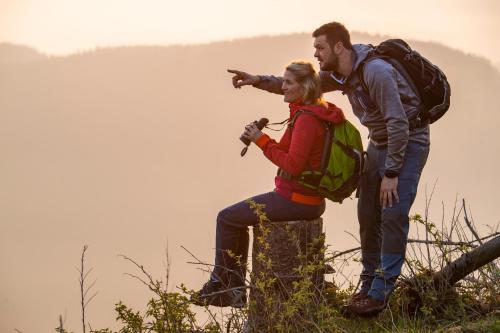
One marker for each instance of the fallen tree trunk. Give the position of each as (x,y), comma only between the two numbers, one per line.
(468,263)
(436,290)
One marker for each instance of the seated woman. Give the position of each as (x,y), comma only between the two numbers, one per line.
(300,148)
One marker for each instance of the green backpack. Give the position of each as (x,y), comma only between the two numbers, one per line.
(341,161)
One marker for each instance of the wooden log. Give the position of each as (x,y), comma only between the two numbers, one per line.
(468,263)
(440,284)
(287,258)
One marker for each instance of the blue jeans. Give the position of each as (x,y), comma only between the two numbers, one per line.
(384,232)
(232,232)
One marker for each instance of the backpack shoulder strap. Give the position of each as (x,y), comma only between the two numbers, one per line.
(391,61)
(300,112)
(372,55)
(329,130)
(396,64)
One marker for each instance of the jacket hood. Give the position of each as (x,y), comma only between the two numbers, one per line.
(330,113)
(361,52)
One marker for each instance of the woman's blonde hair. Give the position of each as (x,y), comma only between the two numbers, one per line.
(308,78)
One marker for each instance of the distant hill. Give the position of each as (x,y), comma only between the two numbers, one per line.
(123,148)
(18,53)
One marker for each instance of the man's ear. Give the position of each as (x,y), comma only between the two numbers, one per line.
(338,47)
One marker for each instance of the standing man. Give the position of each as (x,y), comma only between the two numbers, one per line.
(388,105)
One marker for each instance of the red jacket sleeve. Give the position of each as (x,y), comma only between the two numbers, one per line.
(293,158)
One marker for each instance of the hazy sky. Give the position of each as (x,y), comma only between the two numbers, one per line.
(66,26)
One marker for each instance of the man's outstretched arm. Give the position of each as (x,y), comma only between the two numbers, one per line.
(273,83)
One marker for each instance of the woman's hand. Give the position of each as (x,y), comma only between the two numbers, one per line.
(252,132)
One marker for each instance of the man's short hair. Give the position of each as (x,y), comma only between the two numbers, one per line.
(334,32)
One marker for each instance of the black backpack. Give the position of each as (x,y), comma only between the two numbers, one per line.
(426,78)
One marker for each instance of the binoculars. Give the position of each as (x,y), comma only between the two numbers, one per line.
(261,123)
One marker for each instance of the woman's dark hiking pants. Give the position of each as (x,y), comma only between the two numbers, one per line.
(231,241)
(384,232)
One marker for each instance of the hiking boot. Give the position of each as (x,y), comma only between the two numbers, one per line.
(354,298)
(357,297)
(217,294)
(365,307)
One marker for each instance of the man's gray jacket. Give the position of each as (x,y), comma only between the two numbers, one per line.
(385,110)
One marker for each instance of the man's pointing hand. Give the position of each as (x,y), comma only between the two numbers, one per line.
(241,79)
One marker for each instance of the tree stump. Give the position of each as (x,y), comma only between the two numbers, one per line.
(287,274)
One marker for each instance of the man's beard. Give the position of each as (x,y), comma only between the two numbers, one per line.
(332,64)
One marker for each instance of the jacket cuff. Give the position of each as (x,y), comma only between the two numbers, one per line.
(262,141)
(391,173)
